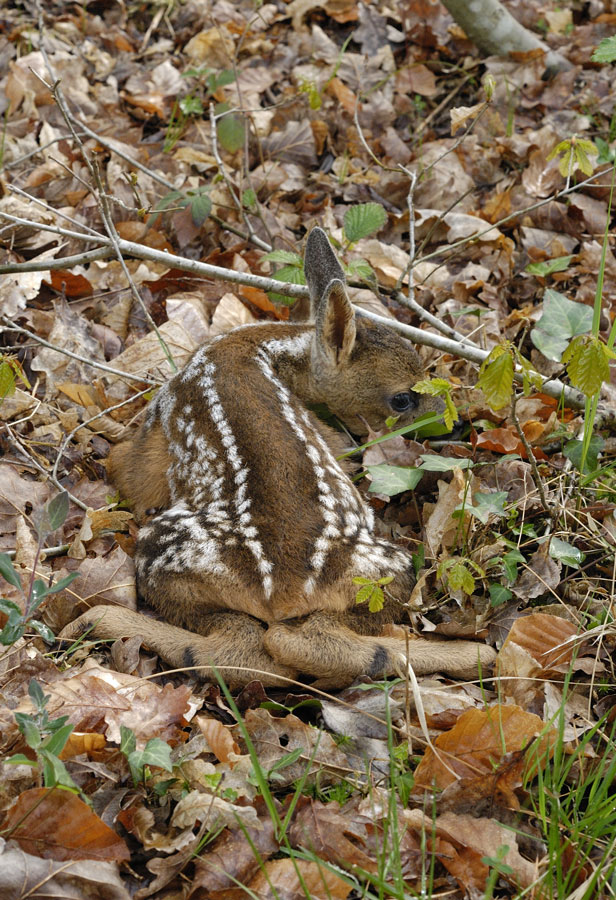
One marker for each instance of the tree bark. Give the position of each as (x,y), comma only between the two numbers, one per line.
(496,33)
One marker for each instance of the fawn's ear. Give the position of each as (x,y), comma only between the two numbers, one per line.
(334,324)
(330,305)
(320,266)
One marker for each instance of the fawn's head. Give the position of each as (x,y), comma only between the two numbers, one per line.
(363,371)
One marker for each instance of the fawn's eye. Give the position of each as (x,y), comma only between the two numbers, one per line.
(404,401)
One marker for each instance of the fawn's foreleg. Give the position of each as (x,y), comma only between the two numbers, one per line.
(234,643)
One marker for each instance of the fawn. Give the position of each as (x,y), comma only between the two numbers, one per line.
(258,532)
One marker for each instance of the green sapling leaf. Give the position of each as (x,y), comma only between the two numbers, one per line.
(363,220)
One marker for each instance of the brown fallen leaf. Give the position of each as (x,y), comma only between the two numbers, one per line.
(274,738)
(541,575)
(462,843)
(108,579)
(99,700)
(279,879)
(479,739)
(231,857)
(220,739)
(56,824)
(25,876)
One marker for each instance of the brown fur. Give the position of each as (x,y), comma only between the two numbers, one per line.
(251,557)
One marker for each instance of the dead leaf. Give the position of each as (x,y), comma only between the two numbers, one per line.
(478,740)
(461,115)
(274,738)
(541,575)
(231,858)
(106,579)
(440,528)
(197,806)
(23,876)
(280,880)
(219,739)
(56,824)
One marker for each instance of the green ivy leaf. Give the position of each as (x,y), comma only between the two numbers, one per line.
(200,207)
(434,463)
(54,514)
(573,452)
(157,753)
(363,220)
(499,594)
(128,741)
(566,553)
(392,480)
(496,376)
(562,320)
(510,564)
(486,505)
(557,264)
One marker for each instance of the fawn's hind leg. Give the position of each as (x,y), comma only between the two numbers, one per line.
(233,643)
(322,646)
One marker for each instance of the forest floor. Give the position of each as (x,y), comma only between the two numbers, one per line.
(219,132)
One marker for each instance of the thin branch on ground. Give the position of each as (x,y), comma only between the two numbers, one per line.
(142,379)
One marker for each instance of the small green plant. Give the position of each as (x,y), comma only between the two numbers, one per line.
(360,221)
(459,574)
(155,753)
(562,320)
(371,591)
(194,103)
(439,387)
(198,201)
(573,153)
(10,372)
(496,374)
(47,738)
(19,620)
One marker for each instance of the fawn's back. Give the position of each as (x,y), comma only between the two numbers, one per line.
(255,505)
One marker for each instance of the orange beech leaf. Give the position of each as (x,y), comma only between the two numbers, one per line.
(505,440)
(343,94)
(260,299)
(55,824)
(73,286)
(219,738)
(478,740)
(83,742)
(542,636)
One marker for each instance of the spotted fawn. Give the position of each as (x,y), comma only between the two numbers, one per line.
(252,531)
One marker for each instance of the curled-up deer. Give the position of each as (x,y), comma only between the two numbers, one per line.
(258,531)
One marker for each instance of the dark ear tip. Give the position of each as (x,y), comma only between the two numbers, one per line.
(317,235)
